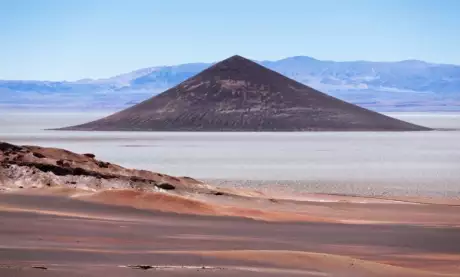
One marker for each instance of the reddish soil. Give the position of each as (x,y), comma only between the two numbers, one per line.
(79,238)
(98,218)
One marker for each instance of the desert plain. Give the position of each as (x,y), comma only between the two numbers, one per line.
(64,213)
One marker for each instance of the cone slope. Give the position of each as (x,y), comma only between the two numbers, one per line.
(237,94)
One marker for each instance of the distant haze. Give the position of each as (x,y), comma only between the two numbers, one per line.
(409,85)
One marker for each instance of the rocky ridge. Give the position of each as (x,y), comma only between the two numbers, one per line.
(38,167)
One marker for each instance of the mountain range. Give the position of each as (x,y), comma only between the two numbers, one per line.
(409,85)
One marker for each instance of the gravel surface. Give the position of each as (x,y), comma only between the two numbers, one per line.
(300,187)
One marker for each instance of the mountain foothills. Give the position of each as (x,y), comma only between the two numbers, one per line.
(409,85)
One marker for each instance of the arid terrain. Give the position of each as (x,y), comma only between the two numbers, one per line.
(68,214)
(229,138)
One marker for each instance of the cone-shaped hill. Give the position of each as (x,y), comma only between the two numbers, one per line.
(237,94)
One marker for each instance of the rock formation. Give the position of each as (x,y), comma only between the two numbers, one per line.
(38,167)
(240,95)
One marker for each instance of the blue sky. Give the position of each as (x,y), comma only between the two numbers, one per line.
(74,39)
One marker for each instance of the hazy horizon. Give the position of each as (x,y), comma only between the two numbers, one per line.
(212,62)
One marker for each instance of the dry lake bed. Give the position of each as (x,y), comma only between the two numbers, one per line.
(365,163)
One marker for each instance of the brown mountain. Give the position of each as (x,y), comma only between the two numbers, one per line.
(237,94)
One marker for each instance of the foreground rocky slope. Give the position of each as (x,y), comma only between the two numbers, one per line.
(37,167)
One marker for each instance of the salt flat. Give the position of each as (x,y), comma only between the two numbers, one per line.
(367,163)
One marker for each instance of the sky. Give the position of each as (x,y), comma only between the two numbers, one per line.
(76,39)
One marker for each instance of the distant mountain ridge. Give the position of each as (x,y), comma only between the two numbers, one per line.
(404,85)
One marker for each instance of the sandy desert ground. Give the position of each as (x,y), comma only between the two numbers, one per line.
(48,233)
(70,214)
(62,215)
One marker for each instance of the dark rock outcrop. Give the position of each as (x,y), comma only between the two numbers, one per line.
(38,155)
(34,166)
(240,95)
(8,148)
(166,186)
